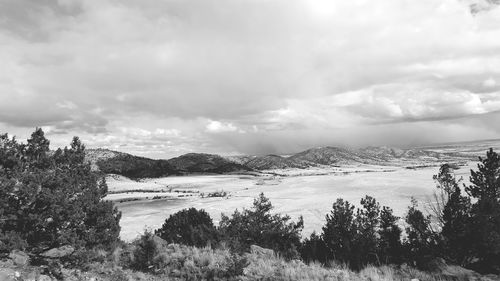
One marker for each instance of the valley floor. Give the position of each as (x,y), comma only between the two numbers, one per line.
(310,193)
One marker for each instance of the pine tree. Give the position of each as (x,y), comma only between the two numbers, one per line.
(390,249)
(366,239)
(421,244)
(485,188)
(339,231)
(52,199)
(452,211)
(456,230)
(314,249)
(260,227)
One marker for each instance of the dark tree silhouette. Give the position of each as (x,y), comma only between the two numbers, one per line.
(366,239)
(189,227)
(485,188)
(421,242)
(260,227)
(52,199)
(390,248)
(339,231)
(314,249)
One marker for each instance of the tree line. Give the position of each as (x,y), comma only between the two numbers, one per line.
(462,227)
(52,198)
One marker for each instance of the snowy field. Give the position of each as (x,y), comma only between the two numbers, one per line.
(308,195)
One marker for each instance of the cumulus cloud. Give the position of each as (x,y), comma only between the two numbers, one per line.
(249,76)
(219,127)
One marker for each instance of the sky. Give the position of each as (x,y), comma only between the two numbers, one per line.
(161,78)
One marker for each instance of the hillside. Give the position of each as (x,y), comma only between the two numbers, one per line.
(329,156)
(205,163)
(113,162)
(336,156)
(269,162)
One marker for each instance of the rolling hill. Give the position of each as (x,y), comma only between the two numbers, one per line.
(112,162)
(205,163)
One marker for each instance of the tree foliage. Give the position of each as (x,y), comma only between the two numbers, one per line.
(453,214)
(189,227)
(49,199)
(339,231)
(421,243)
(366,239)
(368,235)
(260,227)
(485,212)
(390,249)
(314,249)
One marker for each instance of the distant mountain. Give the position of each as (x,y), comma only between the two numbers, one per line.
(271,162)
(205,163)
(113,162)
(337,156)
(390,154)
(328,156)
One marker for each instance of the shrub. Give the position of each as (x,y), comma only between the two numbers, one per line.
(145,250)
(189,227)
(10,240)
(52,199)
(421,243)
(314,249)
(258,226)
(152,254)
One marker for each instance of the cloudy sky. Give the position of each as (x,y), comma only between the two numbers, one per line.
(163,78)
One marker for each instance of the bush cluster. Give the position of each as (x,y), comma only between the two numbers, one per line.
(150,253)
(369,235)
(254,226)
(50,199)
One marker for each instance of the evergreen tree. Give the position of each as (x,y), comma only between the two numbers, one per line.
(485,188)
(314,249)
(452,213)
(365,244)
(189,227)
(390,249)
(339,231)
(456,231)
(52,199)
(258,226)
(421,242)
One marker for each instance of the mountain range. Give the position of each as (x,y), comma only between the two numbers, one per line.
(113,162)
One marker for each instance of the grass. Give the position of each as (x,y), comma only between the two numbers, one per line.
(186,263)
(158,260)
(179,262)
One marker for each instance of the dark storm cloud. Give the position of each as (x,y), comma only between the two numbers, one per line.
(31,19)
